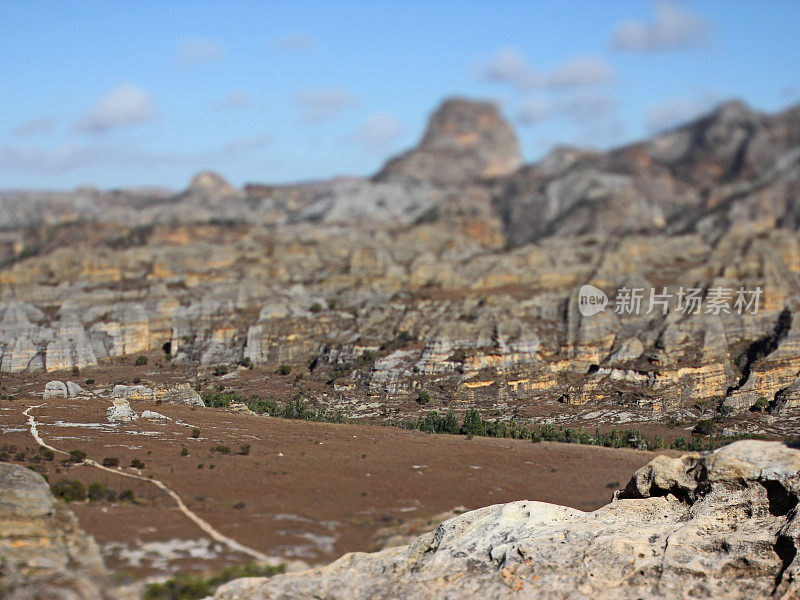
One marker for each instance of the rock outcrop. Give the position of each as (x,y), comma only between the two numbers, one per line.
(718,525)
(465,140)
(121,412)
(449,275)
(43,552)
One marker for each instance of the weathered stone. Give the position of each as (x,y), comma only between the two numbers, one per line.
(43,552)
(55,389)
(121,412)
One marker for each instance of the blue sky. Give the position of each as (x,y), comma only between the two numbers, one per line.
(131,93)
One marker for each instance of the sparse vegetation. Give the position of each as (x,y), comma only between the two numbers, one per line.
(77,456)
(221,449)
(285,369)
(704,427)
(220,370)
(244,449)
(475,425)
(137,464)
(97,491)
(69,490)
(184,451)
(140,361)
(423,398)
(189,586)
(110,462)
(760,405)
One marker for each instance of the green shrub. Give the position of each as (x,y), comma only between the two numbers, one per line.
(69,490)
(473,425)
(221,448)
(97,491)
(244,449)
(220,370)
(316,307)
(110,462)
(140,361)
(285,369)
(246,362)
(77,456)
(184,451)
(423,398)
(137,464)
(704,427)
(127,496)
(450,424)
(189,586)
(195,433)
(760,405)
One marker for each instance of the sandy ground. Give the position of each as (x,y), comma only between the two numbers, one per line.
(309,491)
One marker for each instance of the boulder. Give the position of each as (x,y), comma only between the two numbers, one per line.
(73,389)
(151,414)
(121,412)
(55,389)
(43,552)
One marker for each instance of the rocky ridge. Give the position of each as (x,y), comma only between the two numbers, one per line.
(717,525)
(460,280)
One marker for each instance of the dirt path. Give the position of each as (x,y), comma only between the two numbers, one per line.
(201,523)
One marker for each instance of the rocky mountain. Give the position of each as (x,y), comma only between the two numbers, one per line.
(718,525)
(43,552)
(454,270)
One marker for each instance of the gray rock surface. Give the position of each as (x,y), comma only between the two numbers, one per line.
(55,389)
(717,525)
(121,412)
(43,552)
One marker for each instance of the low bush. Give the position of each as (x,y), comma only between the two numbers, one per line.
(140,361)
(77,456)
(190,586)
(69,490)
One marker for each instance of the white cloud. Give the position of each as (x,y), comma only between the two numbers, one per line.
(123,106)
(251,143)
(235,99)
(324,104)
(378,133)
(510,67)
(677,111)
(534,110)
(583,71)
(41,126)
(297,43)
(583,109)
(73,156)
(673,27)
(196,52)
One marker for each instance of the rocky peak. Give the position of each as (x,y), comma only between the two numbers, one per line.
(465,140)
(211,184)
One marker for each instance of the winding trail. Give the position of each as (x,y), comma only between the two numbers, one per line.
(199,521)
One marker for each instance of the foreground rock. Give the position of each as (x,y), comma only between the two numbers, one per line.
(719,525)
(43,552)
